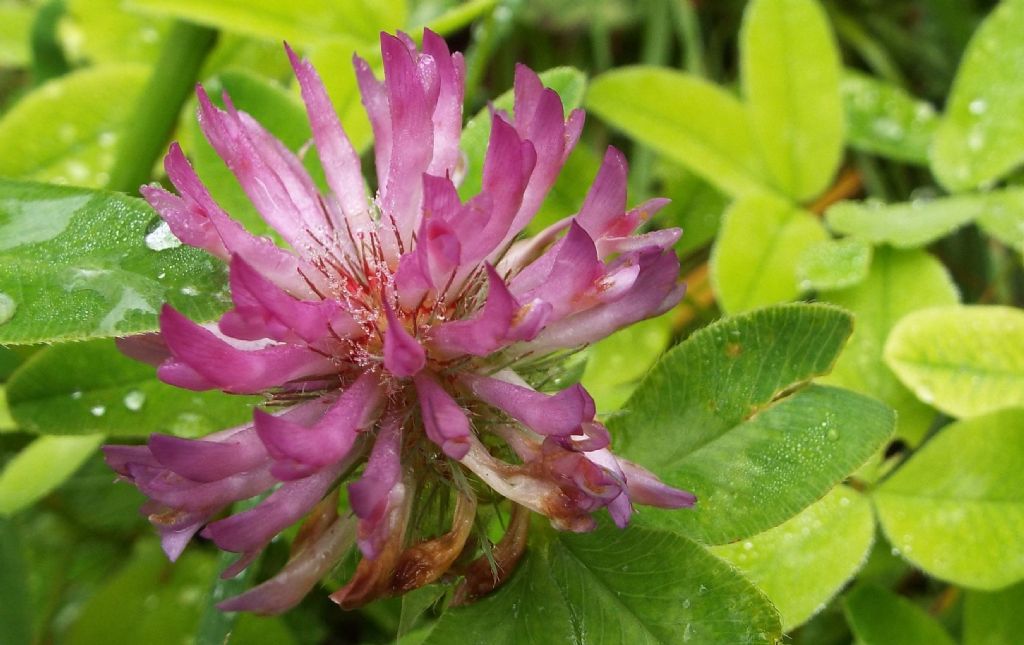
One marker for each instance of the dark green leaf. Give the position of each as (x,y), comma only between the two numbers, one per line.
(75,264)
(994,618)
(15,610)
(61,391)
(880,617)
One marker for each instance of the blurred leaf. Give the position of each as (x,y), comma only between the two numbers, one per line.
(964,360)
(687,119)
(260,630)
(568,82)
(790,68)
(570,189)
(955,509)
(149,600)
(616,363)
(42,466)
(801,564)
(981,136)
(618,587)
(898,283)
(101,31)
(880,617)
(995,617)
(754,260)
(696,207)
(710,418)
(15,30)
(75,264)
(833,264)
(921,222)
(7,422)
(415,604)
(15,607)
(97,503)
(66,131)
(1003,219)
(883,119)
(61,391)
(302,22)
(460,15)
(277,110)
(216,626)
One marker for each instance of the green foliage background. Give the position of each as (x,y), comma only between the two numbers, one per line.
(859,456)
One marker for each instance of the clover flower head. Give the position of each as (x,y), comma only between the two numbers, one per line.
(400,340)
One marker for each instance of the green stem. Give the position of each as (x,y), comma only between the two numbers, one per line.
(656,51)
(690,37)
(156,112)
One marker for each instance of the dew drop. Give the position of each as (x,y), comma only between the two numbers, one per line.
(134,400)
(161,238)
(77,394)
(833,434)
(7,308)
(98,410)
(190,291)
(977,107)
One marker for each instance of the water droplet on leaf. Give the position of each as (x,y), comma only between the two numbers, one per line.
(161,238)
(7,308)
(134,400)
(98,410)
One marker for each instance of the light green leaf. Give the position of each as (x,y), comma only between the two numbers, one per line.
(709,418)
(921,222)
(460,15)
(790,68)
(754,260)
(955,509)
(615,364)
(101,31)
(965,360)
(1004,218)
(303,22)
(993,618)
(568,82)
(61,391)
(42,466)
(66,131)
(277,110)
(613,587)
(75,264)
(687,119)
(899,282)
(801,564)
(883,119)
(149,600)
(981,137)
(833,264)
(15,32)
(880,617)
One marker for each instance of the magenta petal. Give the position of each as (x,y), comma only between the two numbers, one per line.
(488,330)
(120,458)
(558,414)
(299,576)
(447,117)
(645,488)
(403,355)
(445,422)
(573,269)
(606,199)
(375,492)
(179,493)
(232,369)
(328,440)
(203,460)
(146,348)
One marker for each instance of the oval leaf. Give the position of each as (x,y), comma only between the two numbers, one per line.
(993,618)
(880,617)
(965,360)
(883,119)
(791,68)
(981,137)
(42,466)
(75,264)
(955,509)
(833,264)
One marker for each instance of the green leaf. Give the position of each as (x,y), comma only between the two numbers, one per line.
(570,84)
(981,137)
(955,508)
(754,260)
(696,207)
(880,617)
(569,190)
(1004,218)
(801,564)
(460,15)
(833,264)
(993,618)
(921,222)
(15,607)
(614,587)
(277,110)
(708,418)
(15,33)
(790,67)
(61,391)
(42,466)
(883,119)
(898,283)
(965,360)
(75,264)
(7,422)
(303,22)
(101,31)
(149,600)
(688,120)
(616,363)
(66,131)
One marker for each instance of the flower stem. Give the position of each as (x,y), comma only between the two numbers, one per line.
(156,112)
